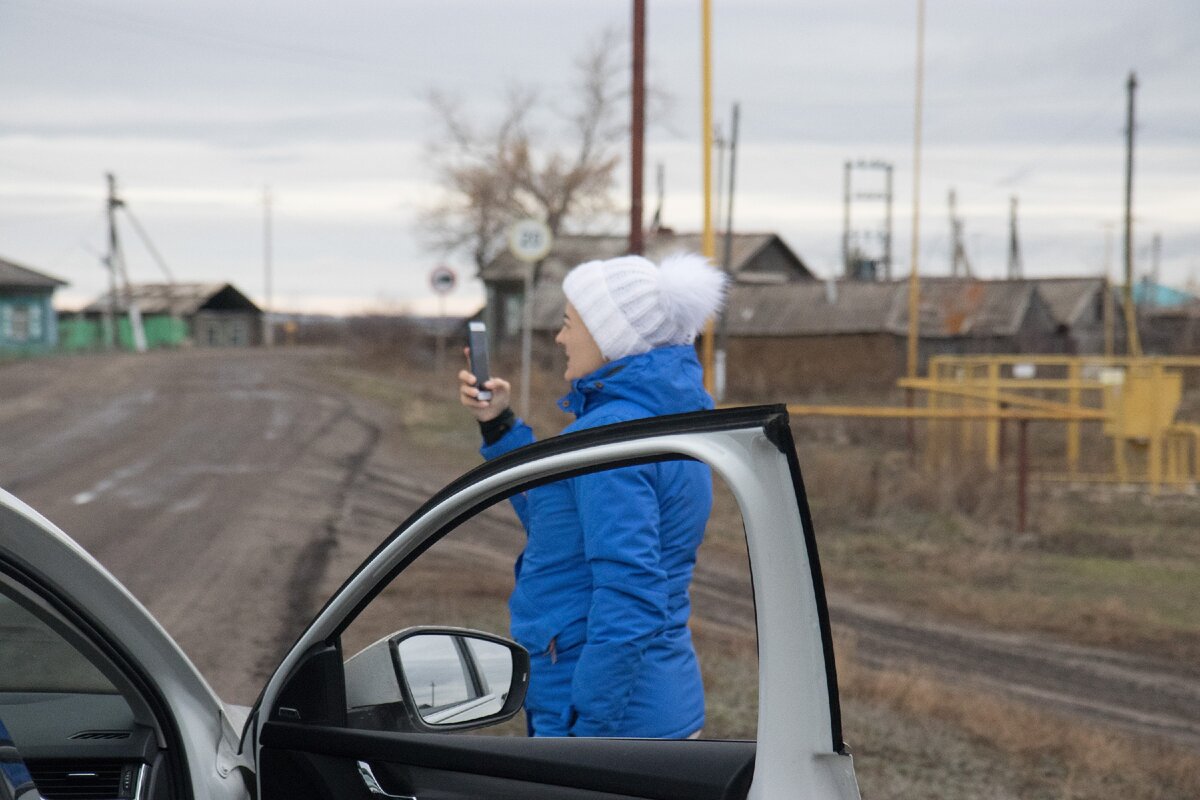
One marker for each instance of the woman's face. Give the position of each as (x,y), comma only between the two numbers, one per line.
(583,354)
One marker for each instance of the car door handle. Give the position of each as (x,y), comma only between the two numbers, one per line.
(368,778)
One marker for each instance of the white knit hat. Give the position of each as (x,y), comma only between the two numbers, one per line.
(630,306)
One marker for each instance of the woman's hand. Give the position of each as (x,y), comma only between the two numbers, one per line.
(468,394)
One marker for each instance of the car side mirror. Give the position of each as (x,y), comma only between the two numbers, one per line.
(436,679)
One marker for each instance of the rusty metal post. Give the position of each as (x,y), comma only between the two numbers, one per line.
(638,127)
(1022,474)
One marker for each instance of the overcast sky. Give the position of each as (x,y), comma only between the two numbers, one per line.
(196,105)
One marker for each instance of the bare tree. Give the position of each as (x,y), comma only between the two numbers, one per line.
(498,173)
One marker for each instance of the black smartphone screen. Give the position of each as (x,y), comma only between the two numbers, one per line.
(477,341)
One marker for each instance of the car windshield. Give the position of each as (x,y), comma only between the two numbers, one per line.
(35,658)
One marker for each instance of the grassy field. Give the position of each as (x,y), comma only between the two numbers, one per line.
(1097,567)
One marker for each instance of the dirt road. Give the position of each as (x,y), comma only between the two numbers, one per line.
(230,491)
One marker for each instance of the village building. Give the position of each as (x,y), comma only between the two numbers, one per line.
(755,258)
(28,323)
(850,335)
(173,314)
(1078,307)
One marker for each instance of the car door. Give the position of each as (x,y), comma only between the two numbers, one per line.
(303,747)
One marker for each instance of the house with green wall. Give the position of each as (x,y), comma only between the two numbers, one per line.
(27,320)
(173,315)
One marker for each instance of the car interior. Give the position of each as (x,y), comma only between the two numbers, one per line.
(79,725)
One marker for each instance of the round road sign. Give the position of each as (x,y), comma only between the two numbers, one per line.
(442,279)
(530,239)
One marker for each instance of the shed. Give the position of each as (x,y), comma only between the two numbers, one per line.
(203,314)
(27,319)
(852,334)
(756,258)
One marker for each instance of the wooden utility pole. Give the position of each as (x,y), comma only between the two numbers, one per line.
(638,122)
(1133,343)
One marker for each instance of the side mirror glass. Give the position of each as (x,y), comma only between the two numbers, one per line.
(441,679)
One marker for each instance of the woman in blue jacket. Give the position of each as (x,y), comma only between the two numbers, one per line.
(601,595)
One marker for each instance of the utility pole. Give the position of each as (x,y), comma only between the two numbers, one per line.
(914,280)
(1016,267)
(708,246)
(116,262)
(109,321)
(727,262)
(638,122)
(268,331)
(1133,343)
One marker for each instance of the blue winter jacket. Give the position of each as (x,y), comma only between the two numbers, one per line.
(601,596)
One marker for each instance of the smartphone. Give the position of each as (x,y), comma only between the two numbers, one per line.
(477,341)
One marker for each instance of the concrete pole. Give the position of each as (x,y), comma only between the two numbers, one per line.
(1133,343)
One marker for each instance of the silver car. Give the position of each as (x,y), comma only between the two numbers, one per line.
(99,702)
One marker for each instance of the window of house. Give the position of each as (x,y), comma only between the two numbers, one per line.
(19,324)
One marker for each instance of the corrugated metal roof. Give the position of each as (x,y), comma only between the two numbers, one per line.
(161,298)
(948,308)
(15,276)
(570,250)
(810,309)
(964,307)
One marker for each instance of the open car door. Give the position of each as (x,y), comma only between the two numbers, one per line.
(307,738)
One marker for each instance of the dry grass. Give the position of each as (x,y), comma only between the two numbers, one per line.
(1099,567)
(1046,755)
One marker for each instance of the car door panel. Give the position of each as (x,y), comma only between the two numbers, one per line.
(799,749)
(462,766)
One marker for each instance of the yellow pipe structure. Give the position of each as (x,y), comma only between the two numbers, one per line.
(708,240)
(901,412)
(984,393)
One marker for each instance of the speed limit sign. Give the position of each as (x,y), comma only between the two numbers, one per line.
(442,279)
(529,240)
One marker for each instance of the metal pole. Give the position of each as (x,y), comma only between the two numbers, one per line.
(708,248)
(527,337)
(1022,473)
(1133,343)
(914,281)
(914,287)
(723,333)
(638,123)
(439,357)
(268,331)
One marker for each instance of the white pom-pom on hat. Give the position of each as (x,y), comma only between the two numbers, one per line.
(630,306)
